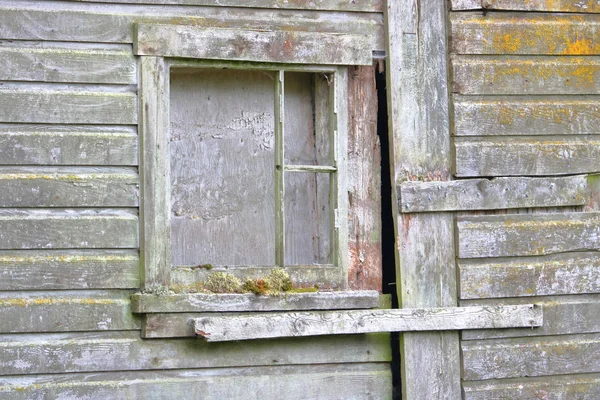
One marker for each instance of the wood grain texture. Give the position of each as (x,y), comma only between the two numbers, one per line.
(527,156)
(576,6)
(67,229)
(112,23)
(294,47)
(66,104)
(465,4)
(491,194)
(202,302)
(562,274)
(527,235)
(518,115)
(524,357)
(57,311)
(61,269)
(525,33)
(293,324)
(29,354)
(27,61)
(525,75)
(563,315)
(351,381)
(68,187)
(67,145)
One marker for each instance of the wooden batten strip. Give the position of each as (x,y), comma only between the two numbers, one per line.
(533,156)
(252,45)
(457,5)
(579,7)
(525,33)
(526,75)
(498,193)
(527,235)
(294,324)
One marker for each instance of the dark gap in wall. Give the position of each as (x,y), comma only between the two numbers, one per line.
(388,240)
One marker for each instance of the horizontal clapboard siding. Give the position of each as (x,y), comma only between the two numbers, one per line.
(563,315)
(30,61)
(354,381)
(584,6)
(518,115)
(62,229)
(525,33)
(523,357)
(532,156)
(67,145)
(23,312)
(122,351)
(73,269)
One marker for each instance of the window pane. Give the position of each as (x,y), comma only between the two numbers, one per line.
(307,119)
(307,218)
(222,160)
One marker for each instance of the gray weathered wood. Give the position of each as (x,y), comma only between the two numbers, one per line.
(117,351)
(516,115)
(577,6)
(527,156)
(25,61)
(57,311)
(490,194)
(292,324)
(465,4)
(66,104)
(522,357)
(520,75)
(82,269)
(67,145)
(294,47)
(68,187)
(527,235)
(563,315)
(202,302)
(67,229)
(570,273)
(525,33)
(349,381)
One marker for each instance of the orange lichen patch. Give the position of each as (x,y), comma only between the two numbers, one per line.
(581,47)
(507,43)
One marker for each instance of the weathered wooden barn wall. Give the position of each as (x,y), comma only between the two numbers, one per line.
(69,219)
(525,85)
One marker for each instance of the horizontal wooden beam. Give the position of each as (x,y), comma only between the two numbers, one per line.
(272,325)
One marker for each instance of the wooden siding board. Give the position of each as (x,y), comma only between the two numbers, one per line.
(57,311)
(527,235)
(63,229)
(69,269)
(520,115)
(581,7)
(533,156)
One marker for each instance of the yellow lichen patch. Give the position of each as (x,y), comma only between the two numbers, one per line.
(507,43)
(45,301)
(581,47)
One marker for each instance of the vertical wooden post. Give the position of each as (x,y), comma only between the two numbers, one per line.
(279,170)
(417,82)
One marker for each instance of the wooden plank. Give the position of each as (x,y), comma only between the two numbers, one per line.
(523,357)
(203,302)
(526,33)
(561,274)
(516,115)
(350,381)
(23,312)
(67,104)
(84,269)
(521,75)
(527,235)
(295,47)
(112,23)
(582,6)
(68,187)
(67,229)
(505,156)
(493,194)
(67,145)
(293,324)
(27,354)
(52,62)
(555,387)
(563,315)
(329,5)
(457,5)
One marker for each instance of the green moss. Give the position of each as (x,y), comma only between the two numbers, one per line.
(305,290)
(256,286)
(279,280)
(223,282)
